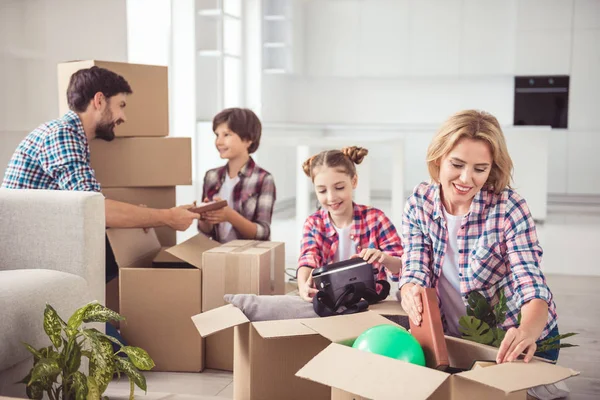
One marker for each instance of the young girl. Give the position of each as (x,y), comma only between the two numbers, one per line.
(469,231)
(248,189)
(342,229)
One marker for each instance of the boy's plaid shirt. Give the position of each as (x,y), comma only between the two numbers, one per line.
(371,228)
(498,249)
(55,156)
(253,196)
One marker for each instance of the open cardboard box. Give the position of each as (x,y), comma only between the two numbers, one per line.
(158,302)
(239,266)
(357,375)
(268,354)
(195,275)
(271,357)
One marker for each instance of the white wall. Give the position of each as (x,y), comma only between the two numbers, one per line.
(36,35)
(417,62)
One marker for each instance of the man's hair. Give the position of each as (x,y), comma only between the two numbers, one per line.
(85,83)
(243,122)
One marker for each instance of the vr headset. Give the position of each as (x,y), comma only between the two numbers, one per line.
(346,287)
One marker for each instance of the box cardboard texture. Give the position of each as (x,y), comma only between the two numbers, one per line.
(158,197)
(268,354)
(147,108)
(387,378)
(158,302)
(142,162)
(271,351)
(240,266)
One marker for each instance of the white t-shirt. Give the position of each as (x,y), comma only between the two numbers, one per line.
(226,234)
(453,306)
(346,247)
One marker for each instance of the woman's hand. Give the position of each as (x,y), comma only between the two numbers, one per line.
(410,295)
(307,289)
(517,341)
(371,255)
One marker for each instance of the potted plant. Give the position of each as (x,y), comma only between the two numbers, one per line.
(56,368)
(482,323)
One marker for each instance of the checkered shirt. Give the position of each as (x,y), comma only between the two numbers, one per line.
(253,196)
(498,249)
(55,156)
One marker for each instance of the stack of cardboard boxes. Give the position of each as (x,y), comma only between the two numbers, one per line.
(142,165)
(162,285)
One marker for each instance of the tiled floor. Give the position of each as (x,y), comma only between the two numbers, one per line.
(567,236)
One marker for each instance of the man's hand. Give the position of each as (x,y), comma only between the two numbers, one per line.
(179,218)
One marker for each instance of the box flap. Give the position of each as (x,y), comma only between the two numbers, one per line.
(518,375)
(165,257)
(371,375)
(282,328)
(343,327)
(389,306)
(132,245)
(218,319)
(192,249)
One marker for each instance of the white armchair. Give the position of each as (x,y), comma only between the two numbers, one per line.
(52,250)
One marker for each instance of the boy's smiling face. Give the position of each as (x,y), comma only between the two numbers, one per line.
(229,144)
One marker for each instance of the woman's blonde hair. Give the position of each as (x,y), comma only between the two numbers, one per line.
(343,160)
(476,125)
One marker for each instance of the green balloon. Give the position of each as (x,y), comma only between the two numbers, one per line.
(391,341)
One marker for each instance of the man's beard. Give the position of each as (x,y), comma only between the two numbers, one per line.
(105,128)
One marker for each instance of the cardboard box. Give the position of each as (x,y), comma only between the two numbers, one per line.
(158,197)
(147,110)
(238,267)
(158,302)
(387,378)
(142,162)
(270,351)
(268,354)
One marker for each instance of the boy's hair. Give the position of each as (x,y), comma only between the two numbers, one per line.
(85,83)
(243,122)
(343,160)
(476,125)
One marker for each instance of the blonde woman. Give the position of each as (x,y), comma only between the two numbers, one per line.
(468,231)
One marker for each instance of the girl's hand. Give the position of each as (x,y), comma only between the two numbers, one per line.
(410,295)
(371,255)
(307,289)
(517,341)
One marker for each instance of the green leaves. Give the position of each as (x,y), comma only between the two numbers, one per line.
(56,368)
(52,325)
(475,330)
(93,391)
(479,308)
(553,342)
(79,386)
(101,364)
(72,356)
(132,372)
(76,319)
(35,391)
(98,313)
(45,368)
(139,357)
(499,334)
(500,308)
